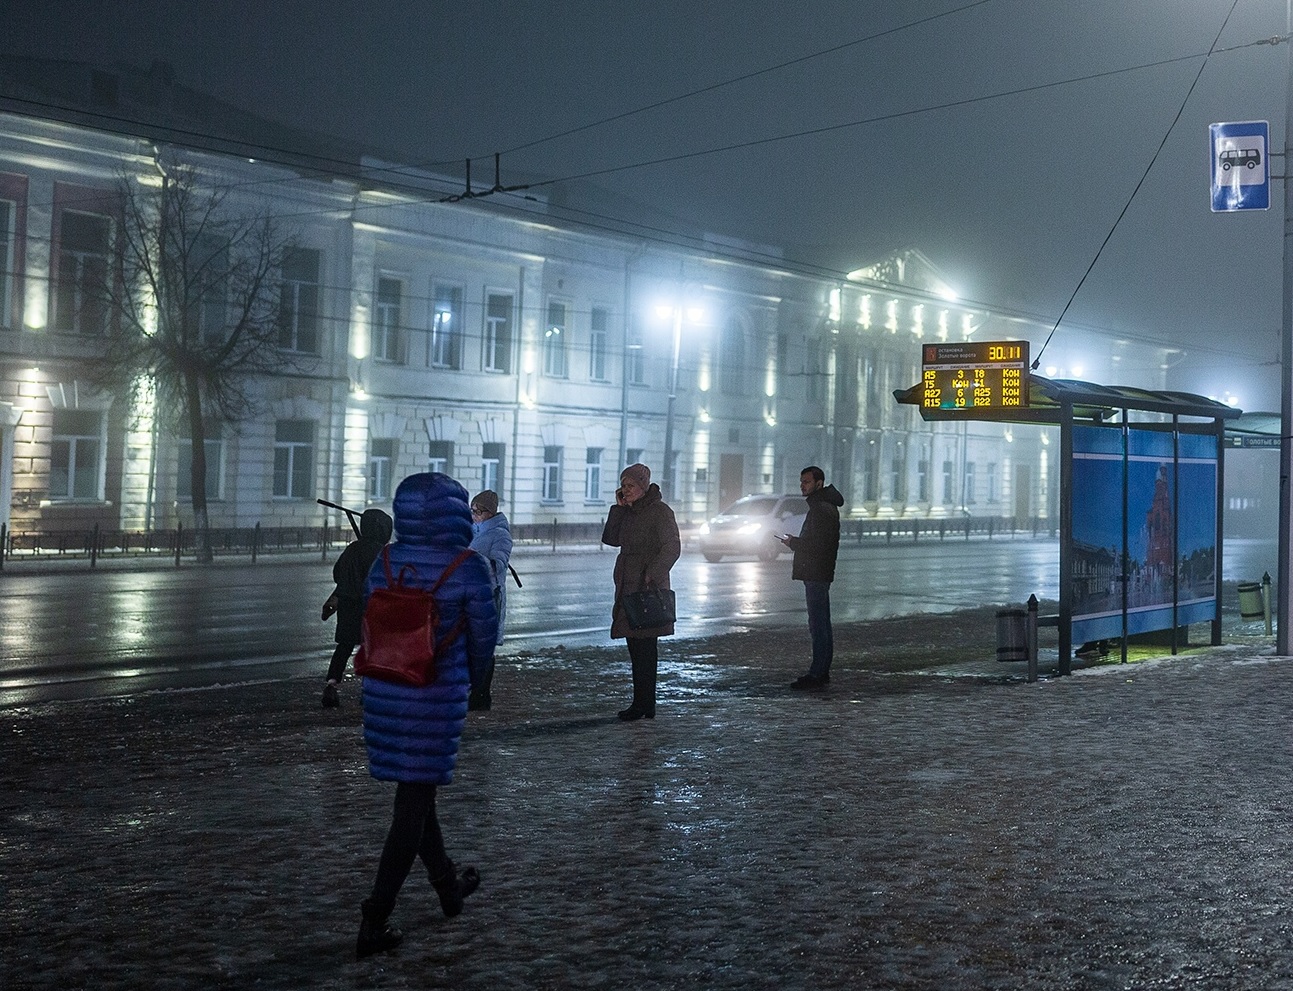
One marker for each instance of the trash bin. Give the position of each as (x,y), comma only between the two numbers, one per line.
(1012,635)
(1251,606)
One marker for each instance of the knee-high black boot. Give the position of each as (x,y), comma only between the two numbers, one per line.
(643,653)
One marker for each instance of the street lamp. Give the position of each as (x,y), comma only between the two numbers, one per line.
(696,314)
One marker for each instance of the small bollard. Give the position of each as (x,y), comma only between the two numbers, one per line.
(1032,638)
(1266,599)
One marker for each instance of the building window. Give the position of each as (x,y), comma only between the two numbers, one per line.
(992,482)
(922,480)
(871,474)
(76,455)
(969,484)
(491,462)
(8,274)
(949,492)
(554,341)
(593,475)
(634,357)
(388,319)
(441,457)
(731,362)
(597,344)
(381,466)
(898,479)
(298,308)
(874,397)
(551,487)
(498,334)
(84,251)
(293,459)
(813,368)
(214,449)
(632,456)
(209,292)
(446,328)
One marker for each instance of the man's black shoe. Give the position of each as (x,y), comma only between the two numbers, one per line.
(809,682)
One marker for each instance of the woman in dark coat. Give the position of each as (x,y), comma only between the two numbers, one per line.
(412,733)
(347,600)
(642,526)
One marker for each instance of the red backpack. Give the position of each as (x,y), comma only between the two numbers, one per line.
(398,629)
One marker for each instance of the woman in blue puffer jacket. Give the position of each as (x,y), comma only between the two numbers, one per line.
(492,540)
(412,733)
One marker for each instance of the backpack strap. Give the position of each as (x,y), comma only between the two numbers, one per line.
(461,623)
(449,570)
(396,581)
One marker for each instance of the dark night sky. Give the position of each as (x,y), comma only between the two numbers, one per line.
(1010,197)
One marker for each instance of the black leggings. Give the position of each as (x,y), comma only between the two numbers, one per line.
(415,832)
(337,669)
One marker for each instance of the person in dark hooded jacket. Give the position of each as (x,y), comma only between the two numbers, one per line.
(347,600)
(412,733)
(816,548)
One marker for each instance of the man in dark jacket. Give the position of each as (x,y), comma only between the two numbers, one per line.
(815,549)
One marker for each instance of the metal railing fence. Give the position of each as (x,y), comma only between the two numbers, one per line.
(182,543)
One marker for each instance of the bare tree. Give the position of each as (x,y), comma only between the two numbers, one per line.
(195,308)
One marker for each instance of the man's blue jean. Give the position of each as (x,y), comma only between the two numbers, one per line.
(818,595)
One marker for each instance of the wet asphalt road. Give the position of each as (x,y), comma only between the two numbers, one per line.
(81,633)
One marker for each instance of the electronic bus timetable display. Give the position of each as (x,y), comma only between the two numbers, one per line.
(975,375)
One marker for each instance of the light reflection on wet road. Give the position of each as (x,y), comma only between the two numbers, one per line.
(74,634)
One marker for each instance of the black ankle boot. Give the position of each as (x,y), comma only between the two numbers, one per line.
(453,887)
(376,934)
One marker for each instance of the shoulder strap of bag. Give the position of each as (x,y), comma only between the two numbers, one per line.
(453,566)
(461,623)
(396,581)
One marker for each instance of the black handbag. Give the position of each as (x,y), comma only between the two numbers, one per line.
(650,608)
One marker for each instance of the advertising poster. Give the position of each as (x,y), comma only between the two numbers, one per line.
(1197,529)
(1169,555)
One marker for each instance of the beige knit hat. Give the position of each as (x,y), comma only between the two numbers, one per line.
(639,474)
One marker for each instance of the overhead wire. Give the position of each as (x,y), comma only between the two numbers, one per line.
(743,78)
(1148,168)
(623,227)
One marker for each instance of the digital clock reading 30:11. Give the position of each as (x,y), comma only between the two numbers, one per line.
(979,375)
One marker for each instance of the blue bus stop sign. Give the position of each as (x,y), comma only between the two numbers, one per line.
(1241,174)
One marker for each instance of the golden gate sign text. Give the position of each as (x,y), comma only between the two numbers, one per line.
(978,375)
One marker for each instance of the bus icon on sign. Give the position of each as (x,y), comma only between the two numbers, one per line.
(1249,158)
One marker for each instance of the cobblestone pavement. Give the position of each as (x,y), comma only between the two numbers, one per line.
(1127,827)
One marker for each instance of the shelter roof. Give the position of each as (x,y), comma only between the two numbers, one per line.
(1090,401)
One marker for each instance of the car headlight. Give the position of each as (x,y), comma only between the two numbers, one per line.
(704,529)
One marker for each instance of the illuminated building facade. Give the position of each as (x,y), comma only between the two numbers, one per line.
(493,340)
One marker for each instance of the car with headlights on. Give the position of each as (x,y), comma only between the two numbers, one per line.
(752,525)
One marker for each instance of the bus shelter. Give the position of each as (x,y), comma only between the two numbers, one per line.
(1140,504)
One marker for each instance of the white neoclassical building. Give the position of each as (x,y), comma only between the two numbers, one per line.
(485,338)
